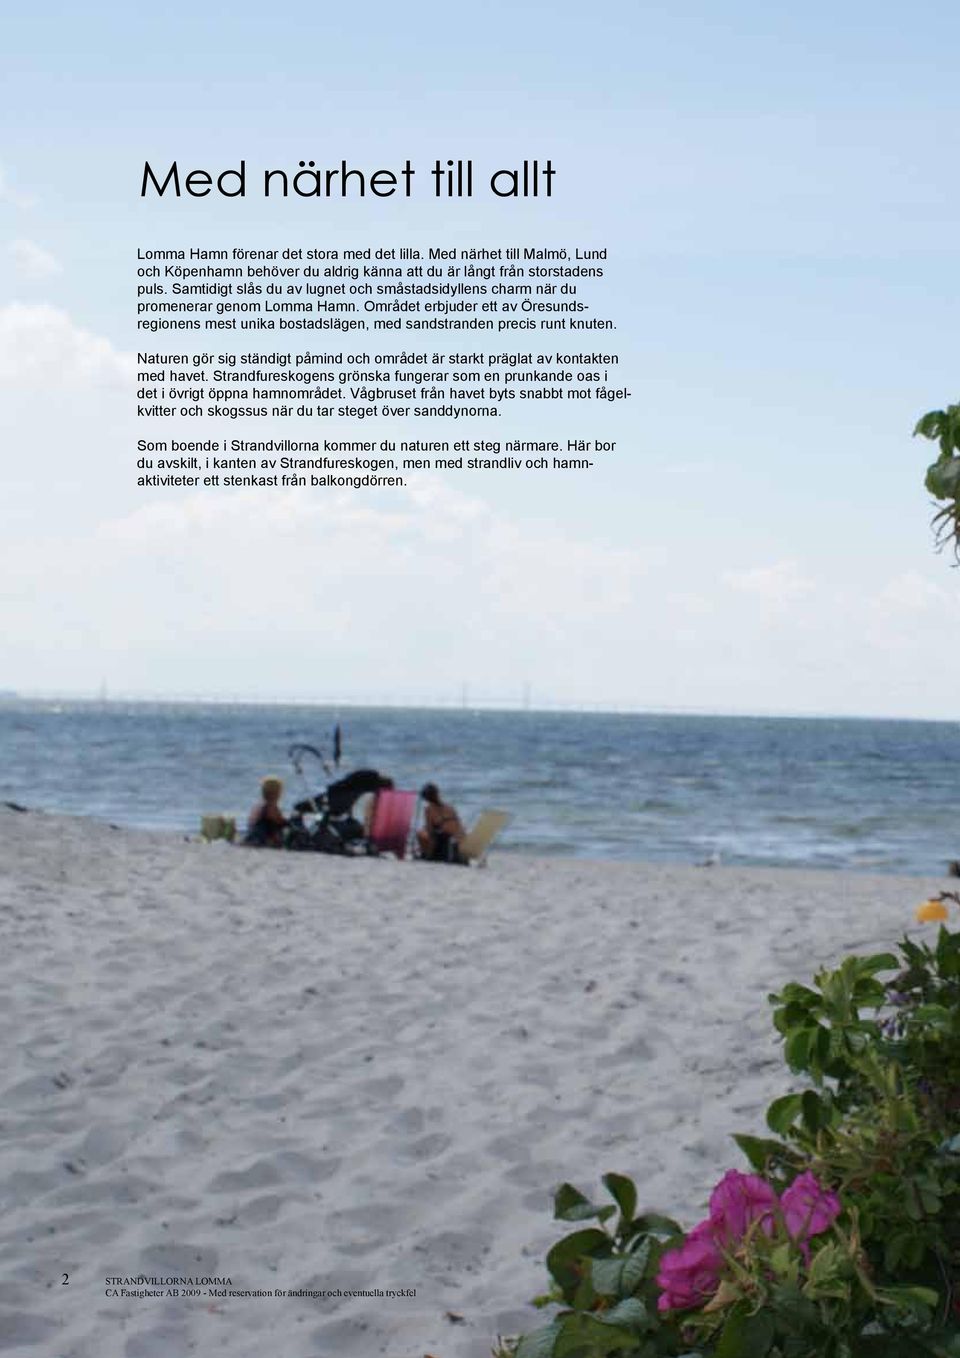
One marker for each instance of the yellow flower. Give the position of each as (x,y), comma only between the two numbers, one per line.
(930,911)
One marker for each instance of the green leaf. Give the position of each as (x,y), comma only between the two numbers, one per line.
(624,1193)
(797,1049)
(565,1259)
(783,1262)
(878,961)
(783,1112)
(794,1310)
(822,1046)
(584,1296)
(893,1251)
(793,1015)
(653,1223)
(929,425)
(634,1269)
(566,1197)
(540,1343)
(745,1335)
(759,1151)
(569,1204)
(620,1275)
(811,1109)
(586,1336)
(943,479)
(869,993)
(793,991)
(823,1269)
(589,1242)
(909,1297)
(630,1314)
(606,1276)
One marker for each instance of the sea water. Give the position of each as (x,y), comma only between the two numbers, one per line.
(880,796)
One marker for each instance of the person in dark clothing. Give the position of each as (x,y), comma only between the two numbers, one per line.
(442,828)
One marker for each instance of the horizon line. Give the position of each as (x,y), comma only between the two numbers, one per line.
(541,706)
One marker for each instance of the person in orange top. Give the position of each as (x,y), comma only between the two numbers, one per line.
(266,823)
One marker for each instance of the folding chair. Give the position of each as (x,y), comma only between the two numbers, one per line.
(475,844)
(392,820)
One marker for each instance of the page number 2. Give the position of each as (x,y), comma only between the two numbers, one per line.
(66,1280)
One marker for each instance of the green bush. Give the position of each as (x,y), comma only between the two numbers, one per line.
(943,476)
(843,1238)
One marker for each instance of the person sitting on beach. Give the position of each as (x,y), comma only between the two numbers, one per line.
(442,828)
(267,822)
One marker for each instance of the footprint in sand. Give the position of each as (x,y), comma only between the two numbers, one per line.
(261,1174)
(425,1147)
(360,1230)
(160,1342)
(186,1260)
(19,1328)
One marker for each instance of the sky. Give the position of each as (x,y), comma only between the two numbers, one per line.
(774,187)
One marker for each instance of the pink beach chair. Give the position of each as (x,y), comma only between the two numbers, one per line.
(391,822)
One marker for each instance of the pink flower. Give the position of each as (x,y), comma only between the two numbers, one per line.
(689,1275)
(808,1209)
(737,1202)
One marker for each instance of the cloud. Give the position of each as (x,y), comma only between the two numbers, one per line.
(912,593)
(443,552)
(32,262)
(777,584)
(42,343)
(407,591)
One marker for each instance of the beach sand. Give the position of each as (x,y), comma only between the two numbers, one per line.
(301,1072)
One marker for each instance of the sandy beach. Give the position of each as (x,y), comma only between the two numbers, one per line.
(310,1074)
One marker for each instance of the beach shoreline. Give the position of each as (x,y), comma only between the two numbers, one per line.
(316,1074)
(849,794)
